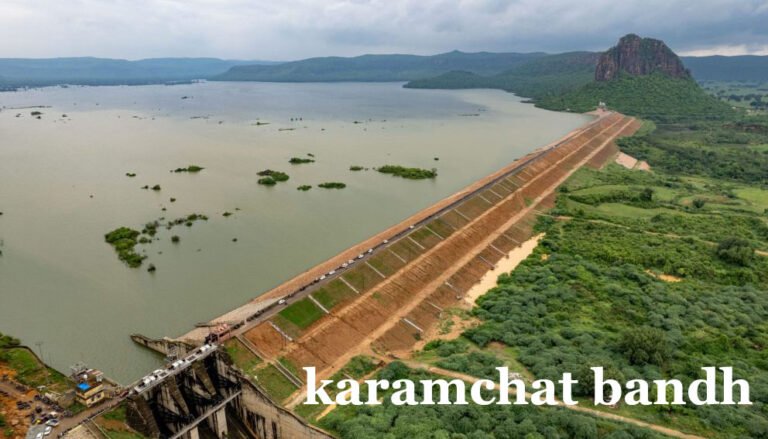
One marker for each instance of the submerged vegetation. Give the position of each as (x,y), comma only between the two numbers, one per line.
(191,168)
(332,185)
(409,173)
(304,187)
(124,240)
(300,161)
(356,168)
(271,178)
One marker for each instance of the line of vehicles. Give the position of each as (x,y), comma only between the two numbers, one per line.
(321,278)
(158,375)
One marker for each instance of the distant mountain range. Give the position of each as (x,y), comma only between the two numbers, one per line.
(373,68)
(20,72)
(531,73)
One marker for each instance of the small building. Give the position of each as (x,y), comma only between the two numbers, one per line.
(89,386)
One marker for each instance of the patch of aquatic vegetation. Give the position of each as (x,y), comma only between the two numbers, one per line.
(270,177)
(191,168)
(124,240)
(300,161)
(409,173)
(356,168)
(332,185)
(304,187)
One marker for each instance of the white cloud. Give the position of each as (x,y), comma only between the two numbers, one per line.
(290,29)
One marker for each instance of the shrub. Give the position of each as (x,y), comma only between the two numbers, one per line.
(409,173)
(736,251)
(299,161)
(190,168)
(332,185)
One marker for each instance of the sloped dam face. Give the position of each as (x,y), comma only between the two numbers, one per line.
(403,279)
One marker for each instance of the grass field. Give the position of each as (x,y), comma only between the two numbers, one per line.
(243,358)
(31,373)
(274,383)
(302,313)
(333,293)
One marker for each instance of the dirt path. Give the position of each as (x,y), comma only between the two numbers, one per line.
(593,412)
(363,345)
(505,265)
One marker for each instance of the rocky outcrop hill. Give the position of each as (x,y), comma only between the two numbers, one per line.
(639,57)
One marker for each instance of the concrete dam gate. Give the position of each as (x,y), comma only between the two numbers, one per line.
(210,394)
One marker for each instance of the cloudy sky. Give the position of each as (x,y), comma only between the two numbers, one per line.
(292,29)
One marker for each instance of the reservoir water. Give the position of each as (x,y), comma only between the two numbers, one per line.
(63,185)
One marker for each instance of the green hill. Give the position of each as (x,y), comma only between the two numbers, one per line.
(534,78)
(376,67)
(655,96)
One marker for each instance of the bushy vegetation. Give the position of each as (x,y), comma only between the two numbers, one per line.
(536,78)
(469,421)
(191,168)
(124,240)
(332,185)
(409,173)
(7,341)
(300,160)
(271,178)
(655,97)
(633,277)
(304,187)
(356,168)
(727,150)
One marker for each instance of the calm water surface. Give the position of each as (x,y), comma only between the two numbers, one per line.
(63,186)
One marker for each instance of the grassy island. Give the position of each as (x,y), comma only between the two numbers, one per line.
(300,161)
(270,177)
(124,240)
(191,168)
(409,173)
(332,185)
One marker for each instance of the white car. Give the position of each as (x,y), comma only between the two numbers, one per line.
(47,431)
(322,277)
(331,273)
(52,422)
(370,250)
(176,364)
(360,256)
(281,302)
(39,436)
(411,227)
(386,241)
(344,265)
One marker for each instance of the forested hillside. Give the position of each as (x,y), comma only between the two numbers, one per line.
(655,96)
(542,76)
(377,67)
